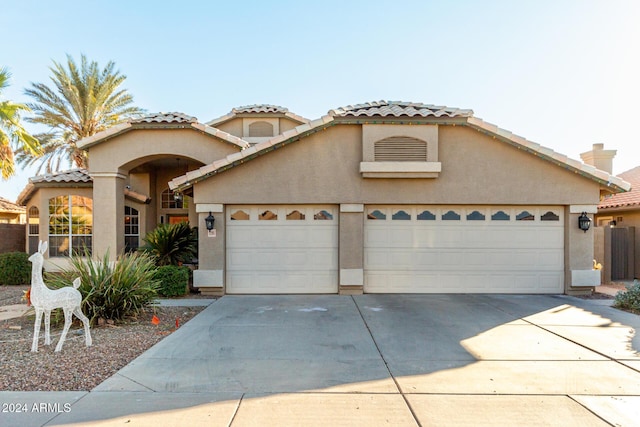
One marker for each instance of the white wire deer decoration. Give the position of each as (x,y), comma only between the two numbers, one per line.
(44,300)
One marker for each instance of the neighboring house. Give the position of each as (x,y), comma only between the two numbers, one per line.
(619,219)
(380,197)
(11,213)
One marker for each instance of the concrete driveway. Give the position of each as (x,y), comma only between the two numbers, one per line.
(378,359)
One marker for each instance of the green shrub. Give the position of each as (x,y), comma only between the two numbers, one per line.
(174,280)
(111,290)
(629,299)
(15,268)
(171,244)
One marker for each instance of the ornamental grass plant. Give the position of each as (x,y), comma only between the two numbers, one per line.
(111,290)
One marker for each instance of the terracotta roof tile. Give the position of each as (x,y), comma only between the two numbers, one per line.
(73,175)
(398,109)
(169,120)
(7,206)
(260,108)
(629,199)
(174,117)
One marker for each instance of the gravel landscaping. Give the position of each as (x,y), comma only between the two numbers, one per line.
(76,367)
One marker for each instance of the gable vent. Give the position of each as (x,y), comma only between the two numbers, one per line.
(400,149)
(260,129)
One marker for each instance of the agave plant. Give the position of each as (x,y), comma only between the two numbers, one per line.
(172,244)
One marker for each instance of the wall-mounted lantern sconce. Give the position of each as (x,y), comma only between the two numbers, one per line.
(177,196)
(209,221)
(613,224)
(584,222)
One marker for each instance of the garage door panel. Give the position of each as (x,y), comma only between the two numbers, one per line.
(551,259)
(497,254)
(293,253)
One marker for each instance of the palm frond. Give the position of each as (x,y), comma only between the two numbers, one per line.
(12,135)
(82,101)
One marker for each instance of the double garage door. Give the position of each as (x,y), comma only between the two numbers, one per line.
(412,249)
(464,249)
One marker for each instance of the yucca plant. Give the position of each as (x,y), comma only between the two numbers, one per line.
(171,244)
(111,289)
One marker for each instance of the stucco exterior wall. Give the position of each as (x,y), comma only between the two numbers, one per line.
(287,124)
(476,169)
(233,127)
(324,168)
(135,147)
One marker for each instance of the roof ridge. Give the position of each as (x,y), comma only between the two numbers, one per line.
(397,109)
(275,108)
(165,117)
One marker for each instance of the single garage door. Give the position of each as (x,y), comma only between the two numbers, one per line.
(282,249)
(464,249)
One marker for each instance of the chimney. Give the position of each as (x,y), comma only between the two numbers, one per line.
(599,158)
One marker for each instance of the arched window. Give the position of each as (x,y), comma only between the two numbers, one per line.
(33,229)
(70,225)
(131,229)
(171,201)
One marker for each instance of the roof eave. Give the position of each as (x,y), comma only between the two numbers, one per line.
(183,182)
(606,180)
(117,130)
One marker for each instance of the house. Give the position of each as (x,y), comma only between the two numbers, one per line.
(618,222)
(11,213)
(381,197)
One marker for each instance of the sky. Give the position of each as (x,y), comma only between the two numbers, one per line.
(562,73)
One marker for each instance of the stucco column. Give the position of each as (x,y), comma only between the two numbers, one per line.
(108,214)
(579,249)
(209,276)
(351,249)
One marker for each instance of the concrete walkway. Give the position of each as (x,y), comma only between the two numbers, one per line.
(371,360)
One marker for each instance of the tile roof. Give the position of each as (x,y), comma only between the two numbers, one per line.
(169,120)
(398,109)
(77,176)
(258,109)
(70,176)
(624,200)
(165,118)
(7,206)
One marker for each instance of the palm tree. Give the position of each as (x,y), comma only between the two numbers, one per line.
(12,134)
(83,101)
